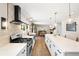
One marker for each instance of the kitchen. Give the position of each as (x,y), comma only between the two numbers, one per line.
(22,24)
(14,40)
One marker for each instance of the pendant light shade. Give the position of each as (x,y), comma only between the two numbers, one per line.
(55,20)
(70,18)
(55,24)
(50,26)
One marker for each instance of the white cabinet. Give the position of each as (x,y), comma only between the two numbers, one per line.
(49,45)
(14,49)
(23,52)
(53,49)
(61,46)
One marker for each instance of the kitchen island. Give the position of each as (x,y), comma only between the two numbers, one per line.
(60,46)
(13,49)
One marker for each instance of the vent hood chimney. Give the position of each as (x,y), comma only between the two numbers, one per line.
(17,15)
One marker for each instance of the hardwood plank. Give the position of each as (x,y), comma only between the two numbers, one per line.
(40,48)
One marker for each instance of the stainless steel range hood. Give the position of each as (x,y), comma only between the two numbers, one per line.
(17,15)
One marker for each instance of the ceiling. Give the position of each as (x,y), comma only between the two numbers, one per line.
(41,12)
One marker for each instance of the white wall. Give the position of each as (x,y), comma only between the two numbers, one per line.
(11,28)
(70,34)
(3,34)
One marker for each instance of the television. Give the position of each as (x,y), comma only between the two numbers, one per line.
(71,27)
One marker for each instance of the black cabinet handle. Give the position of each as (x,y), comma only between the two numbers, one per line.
(53,45)
(50,45)
(23,52)
(59,51)
(55,54)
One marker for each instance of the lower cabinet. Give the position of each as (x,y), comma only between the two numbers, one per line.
(58,46)
(23,52)
(53,49)
(49,46)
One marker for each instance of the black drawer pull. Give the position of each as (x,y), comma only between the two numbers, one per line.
(59,51)
(23,52)
(55,54)
(53,45)
(50,45)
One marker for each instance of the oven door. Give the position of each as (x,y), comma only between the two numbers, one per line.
(29,47)
(29,50)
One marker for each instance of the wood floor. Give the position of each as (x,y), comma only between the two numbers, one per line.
(40,48)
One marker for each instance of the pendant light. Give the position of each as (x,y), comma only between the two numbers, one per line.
(50,26)
(55,20)
(70,18)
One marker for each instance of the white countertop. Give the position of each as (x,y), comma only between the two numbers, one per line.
(66,45)
(32,34)
(11,49)
(27,36)
(13,36)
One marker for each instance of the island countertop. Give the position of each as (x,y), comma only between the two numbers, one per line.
(11,49)
(66,45)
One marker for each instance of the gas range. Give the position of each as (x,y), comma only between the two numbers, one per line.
(23,39)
